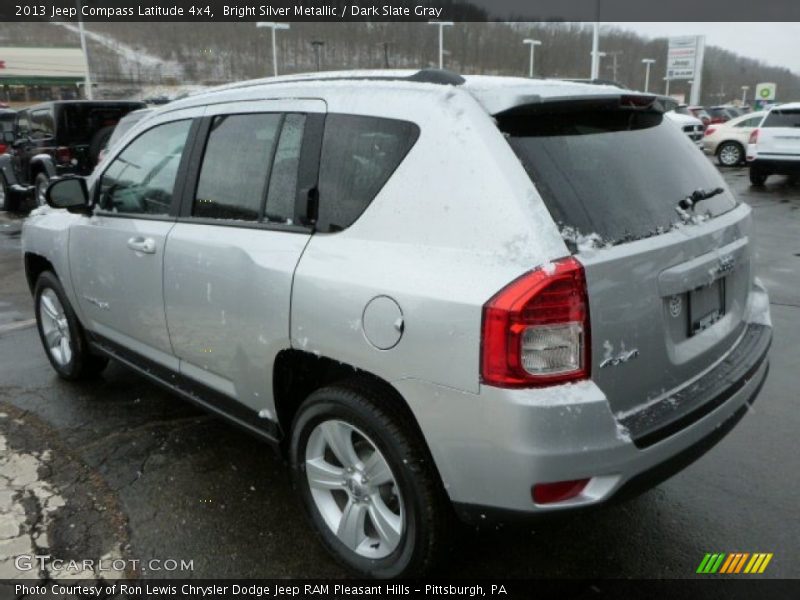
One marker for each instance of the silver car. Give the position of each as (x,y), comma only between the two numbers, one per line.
(439,296)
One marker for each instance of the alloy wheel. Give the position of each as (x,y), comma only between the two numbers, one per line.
(55,327)
(354,489)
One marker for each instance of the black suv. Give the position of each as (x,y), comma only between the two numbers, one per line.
(54,139)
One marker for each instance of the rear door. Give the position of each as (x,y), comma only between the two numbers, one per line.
(666,292)
(779,135)
(231,257)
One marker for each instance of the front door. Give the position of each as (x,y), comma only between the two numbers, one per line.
(117,255)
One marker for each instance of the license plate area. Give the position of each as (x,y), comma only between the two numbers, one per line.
(706,306)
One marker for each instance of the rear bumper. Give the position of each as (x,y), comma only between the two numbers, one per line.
(778,166)
(491,448)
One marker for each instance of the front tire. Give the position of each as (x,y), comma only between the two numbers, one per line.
(40,183)
(367,483)
(757,177)
(730,154)
(61,333)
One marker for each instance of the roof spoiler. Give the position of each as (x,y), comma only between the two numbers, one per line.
(634,101)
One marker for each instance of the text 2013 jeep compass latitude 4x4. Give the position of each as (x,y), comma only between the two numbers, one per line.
(440,295)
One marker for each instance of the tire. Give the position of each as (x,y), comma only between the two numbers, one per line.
(61,333)
(364,422)
(757,177)
(730,154)
(40,184)
(6,203)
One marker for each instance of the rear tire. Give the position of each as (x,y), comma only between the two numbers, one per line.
(98,142)
(757,177)
(399,512)
(730,154)
(61,333)
(41,183)
(6,203)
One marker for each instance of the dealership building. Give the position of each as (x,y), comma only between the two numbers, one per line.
(29,75)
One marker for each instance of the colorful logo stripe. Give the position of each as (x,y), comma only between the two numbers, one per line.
(733,563)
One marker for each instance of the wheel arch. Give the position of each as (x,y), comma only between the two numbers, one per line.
(35,265)
(297,373)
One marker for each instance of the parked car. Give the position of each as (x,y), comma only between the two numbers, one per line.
(697,111)
(719,114)
(54,139)
(124,125)
(691,126)
(728,141)
(438,295)
(774,146)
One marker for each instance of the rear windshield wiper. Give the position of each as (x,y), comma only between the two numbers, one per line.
(689,202)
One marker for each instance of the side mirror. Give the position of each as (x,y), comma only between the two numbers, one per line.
(70,193)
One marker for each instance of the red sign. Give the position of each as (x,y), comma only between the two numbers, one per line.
(2,64)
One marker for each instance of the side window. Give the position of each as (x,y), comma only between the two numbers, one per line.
(23,125)
(236,166)
(359,154)
(141,179)
(41,124)
(283,180)
(752,122)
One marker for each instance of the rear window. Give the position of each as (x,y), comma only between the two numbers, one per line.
(612,175)
(783,118)
(359,154)
(80,122)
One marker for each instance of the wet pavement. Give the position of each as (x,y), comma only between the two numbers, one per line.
(120,470)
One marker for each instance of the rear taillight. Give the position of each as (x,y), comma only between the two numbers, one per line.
(754,137)
(710,130)
(536,329)
(63,155)
(3,148)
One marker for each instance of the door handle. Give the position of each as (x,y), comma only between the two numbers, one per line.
(143,245)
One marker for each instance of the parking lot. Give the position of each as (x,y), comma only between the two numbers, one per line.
(120,469)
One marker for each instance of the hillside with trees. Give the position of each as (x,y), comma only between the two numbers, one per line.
(212,53)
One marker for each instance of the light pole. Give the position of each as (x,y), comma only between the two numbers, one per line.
(442,25)
(532,44)
(647,62)
(744,94)
(317,45)
(274,27)
(666,85)
(87,79)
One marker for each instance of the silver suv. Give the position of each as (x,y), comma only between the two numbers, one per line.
(440,296)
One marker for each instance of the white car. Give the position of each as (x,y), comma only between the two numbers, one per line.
(691,126)
(774,146)
(728,141)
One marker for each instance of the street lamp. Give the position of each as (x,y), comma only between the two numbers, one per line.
(744,94)
(274,27)
(532,44)
(317,45)
(442,25)
(647,62)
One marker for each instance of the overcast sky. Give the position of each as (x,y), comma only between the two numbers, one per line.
(775,43)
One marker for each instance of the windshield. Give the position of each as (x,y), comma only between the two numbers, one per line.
(615,175)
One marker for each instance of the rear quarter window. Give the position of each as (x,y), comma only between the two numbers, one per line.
(783,118)
(359,155)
